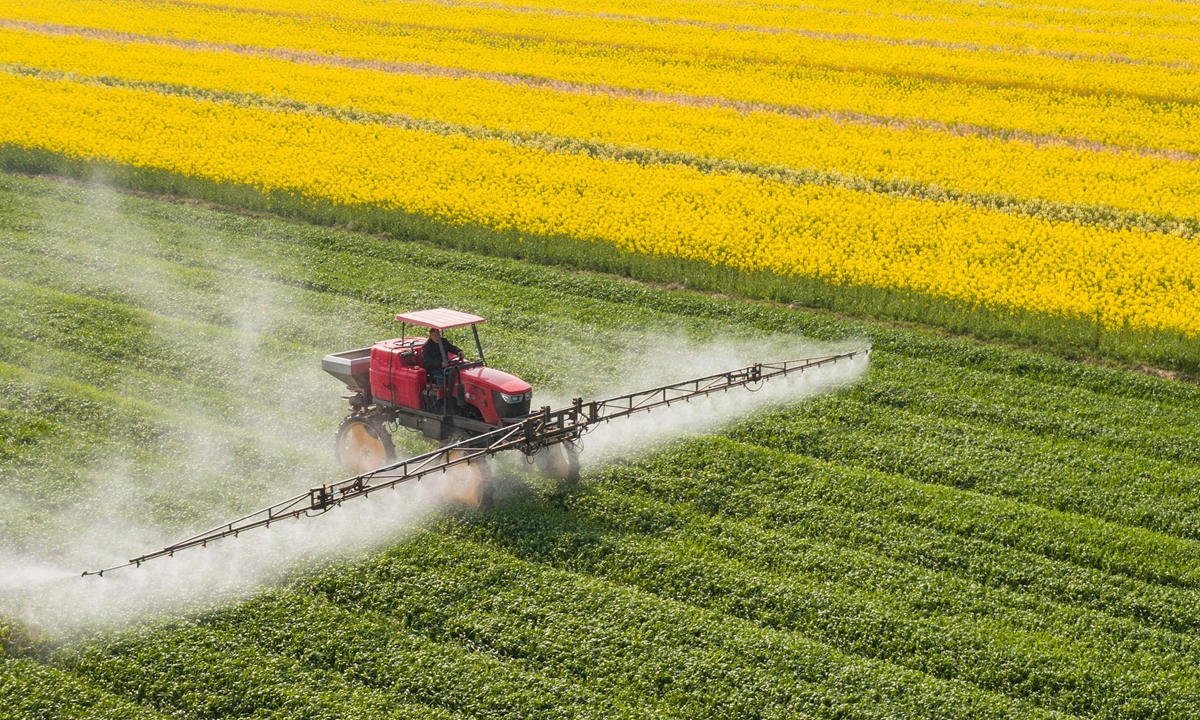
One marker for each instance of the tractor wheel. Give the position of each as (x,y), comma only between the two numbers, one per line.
(572,464)
(558,462)
(364,444)
(472,483)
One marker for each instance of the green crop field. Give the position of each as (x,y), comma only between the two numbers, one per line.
(969,531)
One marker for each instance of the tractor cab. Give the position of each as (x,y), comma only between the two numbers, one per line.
(451,396)
(449,383)
(449,359)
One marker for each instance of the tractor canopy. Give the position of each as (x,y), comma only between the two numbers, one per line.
(439,318)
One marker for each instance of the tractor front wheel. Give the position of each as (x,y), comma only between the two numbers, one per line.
(558,462)
(363,444)
(471,483)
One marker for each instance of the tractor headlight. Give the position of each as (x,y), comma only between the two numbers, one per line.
(513,399)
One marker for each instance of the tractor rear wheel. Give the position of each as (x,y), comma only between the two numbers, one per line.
(471,483)
(558,462)
(572,463)
(363,444)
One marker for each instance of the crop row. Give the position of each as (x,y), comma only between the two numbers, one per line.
(1121,279)
(1071,475)
(447,622)
(33,691)
(215,672)
(1045,407)
(628,643)
(1107,546)
(265,653)
(919,539)
(1053,656)
(1119,120)
(1132,27)
(869,155)
(1171,81)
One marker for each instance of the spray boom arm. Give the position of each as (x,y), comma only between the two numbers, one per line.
(538,430)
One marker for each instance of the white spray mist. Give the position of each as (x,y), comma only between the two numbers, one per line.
(118,509)
(660,360)
(112,518)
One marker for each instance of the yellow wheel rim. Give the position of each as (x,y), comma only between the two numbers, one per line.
(462,482)
(362,449)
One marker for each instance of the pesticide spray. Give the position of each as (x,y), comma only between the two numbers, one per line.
(231,460)
(653,360)
(46,594)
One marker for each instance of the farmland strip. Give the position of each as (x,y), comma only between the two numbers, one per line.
(522,82)
(448,587)
(1018,262)
(1069,475)
(33,690)
(1109,120)
(378,652)
(1052,182)
(927,622)
(792,481)
(1159,20)
(1156,83)
(660,502)
(852,25)
(1096,416)
(206,671)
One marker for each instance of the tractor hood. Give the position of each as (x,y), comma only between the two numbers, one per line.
(494,379)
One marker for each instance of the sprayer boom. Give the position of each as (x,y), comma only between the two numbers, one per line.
(538,430)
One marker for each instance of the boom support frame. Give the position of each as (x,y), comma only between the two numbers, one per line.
(539,429)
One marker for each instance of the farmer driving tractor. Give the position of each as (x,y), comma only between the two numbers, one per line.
(435,356)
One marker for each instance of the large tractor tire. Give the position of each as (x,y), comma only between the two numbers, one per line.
(363,444)
(558,462)
(471,483)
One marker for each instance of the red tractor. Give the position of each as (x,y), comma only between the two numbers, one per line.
(446,398)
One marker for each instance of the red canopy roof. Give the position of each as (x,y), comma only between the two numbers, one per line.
(440,318)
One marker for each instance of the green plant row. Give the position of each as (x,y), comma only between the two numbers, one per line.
(1073,337)
(861,604)
(297,641)
(1074,476)
(630,644)
(211,670)
(917,536)
(782,485)
(32,691)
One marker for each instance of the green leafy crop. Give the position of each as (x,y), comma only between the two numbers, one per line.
(968,532)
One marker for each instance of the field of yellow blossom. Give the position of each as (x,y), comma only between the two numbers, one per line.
(997,519)
(1016,170)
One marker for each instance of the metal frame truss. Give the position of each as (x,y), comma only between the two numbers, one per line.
(539,429)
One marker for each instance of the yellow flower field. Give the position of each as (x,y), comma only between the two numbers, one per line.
(837,49)
(987,166)
(999,156)
(1117,119)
